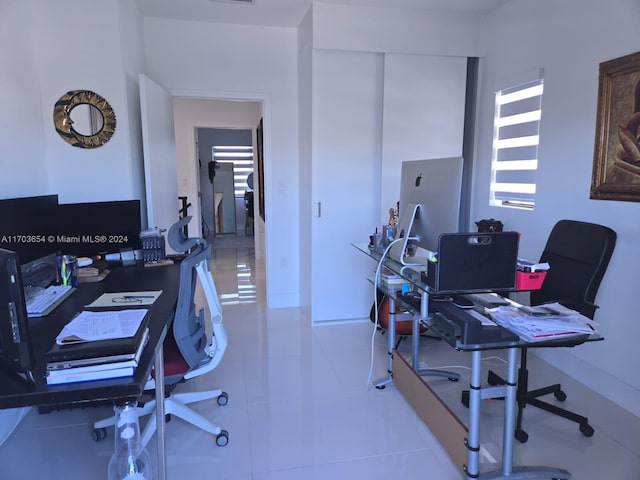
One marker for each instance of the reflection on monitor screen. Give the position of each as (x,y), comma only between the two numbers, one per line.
(436,186)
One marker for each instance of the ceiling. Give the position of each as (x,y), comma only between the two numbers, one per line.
(288,13)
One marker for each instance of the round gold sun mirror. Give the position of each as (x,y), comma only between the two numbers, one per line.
(84,119)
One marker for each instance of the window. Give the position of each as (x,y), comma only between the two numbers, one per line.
(515,145)
(242,159)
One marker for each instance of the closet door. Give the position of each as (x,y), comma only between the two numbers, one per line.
(371,112)
(346,119)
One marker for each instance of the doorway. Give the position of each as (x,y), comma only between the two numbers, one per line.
(225,157)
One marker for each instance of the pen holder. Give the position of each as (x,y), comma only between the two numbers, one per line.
(67,270)
(389,233)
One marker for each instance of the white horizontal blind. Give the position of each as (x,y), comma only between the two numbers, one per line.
(242,159)
(515,145)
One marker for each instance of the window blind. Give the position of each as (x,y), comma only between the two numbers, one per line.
(242,159)
(515,145)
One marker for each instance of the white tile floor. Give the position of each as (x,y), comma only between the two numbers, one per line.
(300,408)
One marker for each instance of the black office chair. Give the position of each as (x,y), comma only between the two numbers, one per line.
(578,254)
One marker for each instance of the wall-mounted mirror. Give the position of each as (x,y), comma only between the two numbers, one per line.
(84,119)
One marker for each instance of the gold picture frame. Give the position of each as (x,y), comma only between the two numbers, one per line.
(616,164)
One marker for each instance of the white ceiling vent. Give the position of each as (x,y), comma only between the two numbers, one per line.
(245,2)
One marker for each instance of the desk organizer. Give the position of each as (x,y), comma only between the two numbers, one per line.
(529,280)
(469,262)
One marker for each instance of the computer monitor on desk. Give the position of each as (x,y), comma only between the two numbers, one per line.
(430,192)
(16,353)
(28,225)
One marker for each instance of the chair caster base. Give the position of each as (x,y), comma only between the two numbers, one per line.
(521,436)
(587,430)
(223,399)
(99,434)
(222,439)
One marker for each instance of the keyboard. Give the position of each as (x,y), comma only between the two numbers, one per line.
(45,301)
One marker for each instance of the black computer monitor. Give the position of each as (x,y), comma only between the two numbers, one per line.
(430,193)
(16,353)
(28,226)
(92,228)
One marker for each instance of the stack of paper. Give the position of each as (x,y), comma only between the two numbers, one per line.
(546,322)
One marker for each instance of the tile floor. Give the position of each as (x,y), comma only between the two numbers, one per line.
(300,407)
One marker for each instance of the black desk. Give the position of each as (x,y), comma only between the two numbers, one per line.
(17,393)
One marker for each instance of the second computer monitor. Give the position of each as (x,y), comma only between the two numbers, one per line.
(436,186)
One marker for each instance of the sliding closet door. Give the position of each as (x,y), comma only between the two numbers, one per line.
(371,111)
(346,118)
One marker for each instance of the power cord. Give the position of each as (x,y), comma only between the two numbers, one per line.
(375,303)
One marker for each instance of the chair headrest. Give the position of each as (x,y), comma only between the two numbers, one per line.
(177,239)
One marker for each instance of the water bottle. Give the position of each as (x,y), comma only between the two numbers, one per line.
(130,461)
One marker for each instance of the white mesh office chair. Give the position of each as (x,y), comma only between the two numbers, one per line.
(187,351)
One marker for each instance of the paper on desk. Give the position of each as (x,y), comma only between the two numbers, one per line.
(105,325)
(126,299)
(531,327)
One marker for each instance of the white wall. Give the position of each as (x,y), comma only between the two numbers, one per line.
(200,60)
(569,39)
(42,62)
(305,73)
(21,127)
(85,55)
(370,29)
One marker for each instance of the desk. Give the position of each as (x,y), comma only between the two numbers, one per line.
(17,393)
(454,435)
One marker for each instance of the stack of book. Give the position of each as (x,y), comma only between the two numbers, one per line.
(389,278)
(112,349)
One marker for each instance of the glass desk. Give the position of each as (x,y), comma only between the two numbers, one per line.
(462,442)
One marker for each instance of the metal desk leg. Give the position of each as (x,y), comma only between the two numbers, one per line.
(415,344)
(391,345)
(473,442)
(160,425)
(508,472)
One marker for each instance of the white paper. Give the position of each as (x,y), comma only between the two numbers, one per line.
(535,328)
(92,326)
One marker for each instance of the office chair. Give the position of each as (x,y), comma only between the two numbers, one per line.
(187,351)
(578,254)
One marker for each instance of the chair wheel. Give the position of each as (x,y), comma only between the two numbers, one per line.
(222,439)
(522,436)
(380,387)
(223,399)
(453,379)
(560,395)
(99,434)
(587,430)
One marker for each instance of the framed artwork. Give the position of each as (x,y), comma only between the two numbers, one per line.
(616,164)
(260,149)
